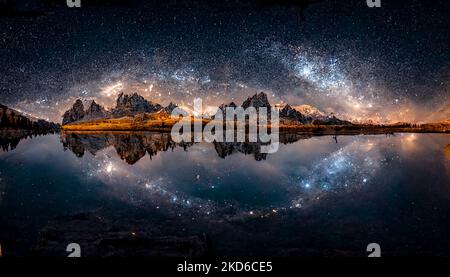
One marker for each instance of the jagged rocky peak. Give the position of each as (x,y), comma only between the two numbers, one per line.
(287,109)
(75,113)
(134,104)
(292,114)
(222,109)
(258,100)
(229,105)
(95,111)
(169,109)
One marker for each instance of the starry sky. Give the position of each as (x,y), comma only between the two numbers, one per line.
(384,64)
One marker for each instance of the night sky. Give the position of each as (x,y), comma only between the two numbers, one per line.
(386,64)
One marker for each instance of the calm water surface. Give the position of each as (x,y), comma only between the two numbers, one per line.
(315,196)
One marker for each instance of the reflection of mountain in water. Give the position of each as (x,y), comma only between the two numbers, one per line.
(447,151)
(132,147)
(225,149)
(10,143)
(9,139)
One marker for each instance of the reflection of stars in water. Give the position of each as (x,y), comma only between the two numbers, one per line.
(410,138)
(2,188)
(115,173)
(408,142)
(109,168)
(350,167)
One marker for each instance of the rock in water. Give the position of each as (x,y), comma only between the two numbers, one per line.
(76,113)
(99,239)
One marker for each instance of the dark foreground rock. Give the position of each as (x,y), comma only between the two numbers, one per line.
(98,238)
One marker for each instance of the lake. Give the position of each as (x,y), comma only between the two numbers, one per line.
(142,194)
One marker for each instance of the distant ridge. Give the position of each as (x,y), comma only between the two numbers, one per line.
(134,113)
(12,119)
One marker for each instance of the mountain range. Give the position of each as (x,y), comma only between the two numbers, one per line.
(134,104)
(126,105)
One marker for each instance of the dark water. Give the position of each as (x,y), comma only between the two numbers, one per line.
(314,197)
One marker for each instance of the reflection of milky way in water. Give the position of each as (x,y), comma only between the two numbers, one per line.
(349,168)
(447,155)
(313,192)
(196,180)
(447,151)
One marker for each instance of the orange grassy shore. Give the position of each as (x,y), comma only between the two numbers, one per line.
(164,124)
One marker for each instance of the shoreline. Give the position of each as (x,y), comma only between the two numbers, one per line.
(166,127)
